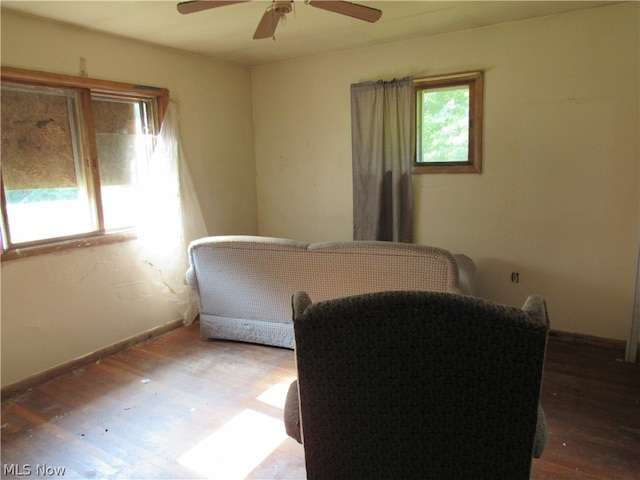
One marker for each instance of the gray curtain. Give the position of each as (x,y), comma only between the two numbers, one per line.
(382,151)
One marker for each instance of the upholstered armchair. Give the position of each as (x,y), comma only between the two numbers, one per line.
(418,385)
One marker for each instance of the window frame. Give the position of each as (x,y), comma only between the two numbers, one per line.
(474,80)
(85,87)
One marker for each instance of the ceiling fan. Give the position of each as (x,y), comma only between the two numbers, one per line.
(278,10)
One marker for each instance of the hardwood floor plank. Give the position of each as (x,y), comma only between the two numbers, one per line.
(143,412)
(63,448)
(592,403)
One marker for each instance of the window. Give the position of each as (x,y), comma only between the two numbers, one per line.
(449,124)
(71,151)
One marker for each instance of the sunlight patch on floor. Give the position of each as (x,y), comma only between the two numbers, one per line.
(237,448)
(276,394)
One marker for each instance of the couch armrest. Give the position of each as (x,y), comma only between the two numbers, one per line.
(192,281)
(466,273)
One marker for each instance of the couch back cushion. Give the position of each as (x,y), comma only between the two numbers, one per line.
(255,277)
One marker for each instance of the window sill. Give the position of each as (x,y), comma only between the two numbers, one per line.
(91,240)
(452,168)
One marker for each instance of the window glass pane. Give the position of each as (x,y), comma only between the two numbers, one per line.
(445,124)
(42,167)
(124,136)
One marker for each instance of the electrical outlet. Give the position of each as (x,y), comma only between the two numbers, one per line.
(515,277)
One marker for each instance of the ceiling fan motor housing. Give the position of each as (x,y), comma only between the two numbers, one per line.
(282,7)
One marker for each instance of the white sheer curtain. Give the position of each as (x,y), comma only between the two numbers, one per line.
(169,216)
(382,144)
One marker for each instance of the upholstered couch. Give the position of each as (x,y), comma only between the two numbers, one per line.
(244,284)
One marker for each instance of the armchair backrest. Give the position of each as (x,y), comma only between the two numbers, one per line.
(418,385)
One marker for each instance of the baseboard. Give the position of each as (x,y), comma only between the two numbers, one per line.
(582,339)
(28,383)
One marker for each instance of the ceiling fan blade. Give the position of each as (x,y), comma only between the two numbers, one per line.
(268,24)
(354,10)
(199,5)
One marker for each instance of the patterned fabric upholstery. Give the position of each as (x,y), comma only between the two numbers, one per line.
(244,284)
(417,385)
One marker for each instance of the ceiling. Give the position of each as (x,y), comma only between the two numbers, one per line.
(226,32)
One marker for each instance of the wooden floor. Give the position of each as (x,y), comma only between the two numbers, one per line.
(176,407)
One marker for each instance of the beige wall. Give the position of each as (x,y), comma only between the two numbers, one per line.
(61,306)
(558,197)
